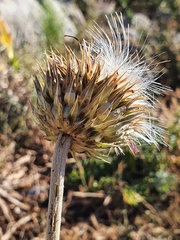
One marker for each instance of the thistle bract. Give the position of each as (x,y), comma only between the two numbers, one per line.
(102,99)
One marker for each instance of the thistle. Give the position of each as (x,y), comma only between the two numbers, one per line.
(97,103)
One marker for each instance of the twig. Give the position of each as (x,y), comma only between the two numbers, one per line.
(6,211)
(16,225)
(62,147)
(22,160)
(87,194)
(13,200)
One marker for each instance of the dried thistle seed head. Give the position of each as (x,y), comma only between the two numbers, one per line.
(103,99)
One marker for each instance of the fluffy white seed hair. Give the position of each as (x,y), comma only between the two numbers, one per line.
(115,53)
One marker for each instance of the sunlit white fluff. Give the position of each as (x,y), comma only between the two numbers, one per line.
(115,51)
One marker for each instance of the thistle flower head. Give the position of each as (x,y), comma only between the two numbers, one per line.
(103,99)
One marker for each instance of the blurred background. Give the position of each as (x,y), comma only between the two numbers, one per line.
(132,198)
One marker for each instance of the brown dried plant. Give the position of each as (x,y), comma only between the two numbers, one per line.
(94,104)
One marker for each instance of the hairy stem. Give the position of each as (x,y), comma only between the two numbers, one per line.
(62,147)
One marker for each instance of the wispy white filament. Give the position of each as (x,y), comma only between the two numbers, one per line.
(115,52)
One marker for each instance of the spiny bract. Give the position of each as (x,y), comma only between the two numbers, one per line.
(103,99)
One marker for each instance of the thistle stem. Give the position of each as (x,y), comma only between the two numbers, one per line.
(62,147)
